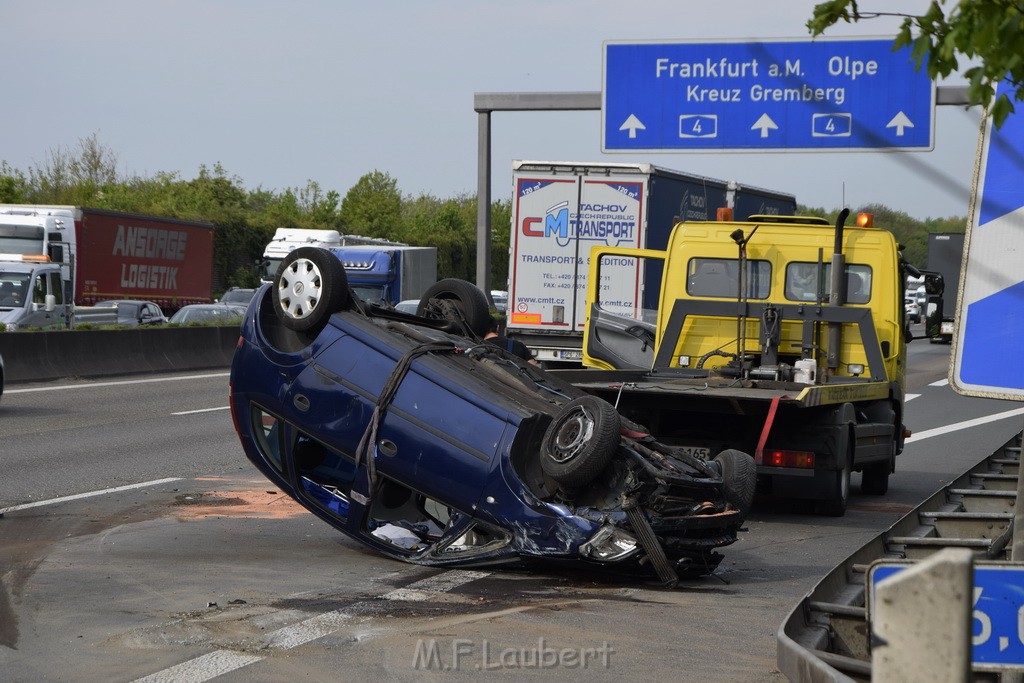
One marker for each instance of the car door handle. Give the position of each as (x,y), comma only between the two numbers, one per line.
(301,401)
(387,447)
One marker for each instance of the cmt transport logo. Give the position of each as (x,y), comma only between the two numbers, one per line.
(611,224)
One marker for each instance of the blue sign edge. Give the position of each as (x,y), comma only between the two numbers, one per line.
(886,564)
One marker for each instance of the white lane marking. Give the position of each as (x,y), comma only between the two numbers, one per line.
(89,494)
(307,630)
(940,383)
(201,410)
(93,385)
(938,431)
(910,397)
(202,668)
(442,583)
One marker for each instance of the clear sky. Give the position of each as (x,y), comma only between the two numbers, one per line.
(281,93)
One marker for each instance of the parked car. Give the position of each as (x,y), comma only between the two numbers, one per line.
(132,312)
(1,376)
(209,314)
(409,434)
(237,295)
(913,309)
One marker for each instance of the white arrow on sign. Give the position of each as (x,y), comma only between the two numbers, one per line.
(632,124)
(899,122)
(765,123)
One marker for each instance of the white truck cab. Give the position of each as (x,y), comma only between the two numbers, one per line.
(32,293)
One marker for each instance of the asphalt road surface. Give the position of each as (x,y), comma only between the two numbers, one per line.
(139,544)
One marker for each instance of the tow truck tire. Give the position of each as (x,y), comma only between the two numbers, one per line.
(874,481)
(835,504)
(453,299)
(739,479)
(309,287)
(580,441)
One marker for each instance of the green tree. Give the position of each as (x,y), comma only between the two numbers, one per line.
(68,177)
(13,185)
(373,207)
(991,31)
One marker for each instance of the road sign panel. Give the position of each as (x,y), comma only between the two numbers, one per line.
(997,612)
(851,94)
(990,308)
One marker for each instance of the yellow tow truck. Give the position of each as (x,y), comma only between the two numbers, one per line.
(781,337)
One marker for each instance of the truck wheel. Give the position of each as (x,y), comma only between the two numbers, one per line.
(310,285)
(580,441)
(839,496)
(739,479)
(875,479)
(457,300)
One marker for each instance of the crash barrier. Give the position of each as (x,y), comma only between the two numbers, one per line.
(42,356)
(834,635)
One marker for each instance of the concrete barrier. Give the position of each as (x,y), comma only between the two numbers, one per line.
(42,356)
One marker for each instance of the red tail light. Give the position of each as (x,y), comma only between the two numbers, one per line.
(800,459)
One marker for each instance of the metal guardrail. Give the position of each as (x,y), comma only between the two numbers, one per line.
(827,636)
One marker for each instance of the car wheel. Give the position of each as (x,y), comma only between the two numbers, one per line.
(579,443)
(739,479)
(457,301)
(310,285)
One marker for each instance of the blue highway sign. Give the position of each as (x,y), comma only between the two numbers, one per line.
(846,94)
(990,309)
(997,612)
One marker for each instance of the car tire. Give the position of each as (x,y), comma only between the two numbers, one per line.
(580,441)
(739,479)
(457,300)
(309,287)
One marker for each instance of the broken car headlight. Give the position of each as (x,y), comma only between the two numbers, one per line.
(609,544)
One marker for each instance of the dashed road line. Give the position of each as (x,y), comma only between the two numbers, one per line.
(218,662)
(88,494)
(966,424)
(94,385)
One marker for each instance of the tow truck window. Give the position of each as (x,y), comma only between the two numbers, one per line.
(803,282)
(720,278)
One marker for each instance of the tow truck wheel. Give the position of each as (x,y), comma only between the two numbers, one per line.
(580,441)
(457,300)
(739,479)
(835,504)
(310,285)
(875,479)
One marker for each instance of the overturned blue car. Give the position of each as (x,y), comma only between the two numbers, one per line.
(411,434)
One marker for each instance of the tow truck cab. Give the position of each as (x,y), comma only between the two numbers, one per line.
(755,346)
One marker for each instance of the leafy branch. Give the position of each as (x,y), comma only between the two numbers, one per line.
(991,31)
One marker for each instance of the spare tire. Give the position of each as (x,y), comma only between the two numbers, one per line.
(309,287)
(457,301)
(580,441)
(739,479)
